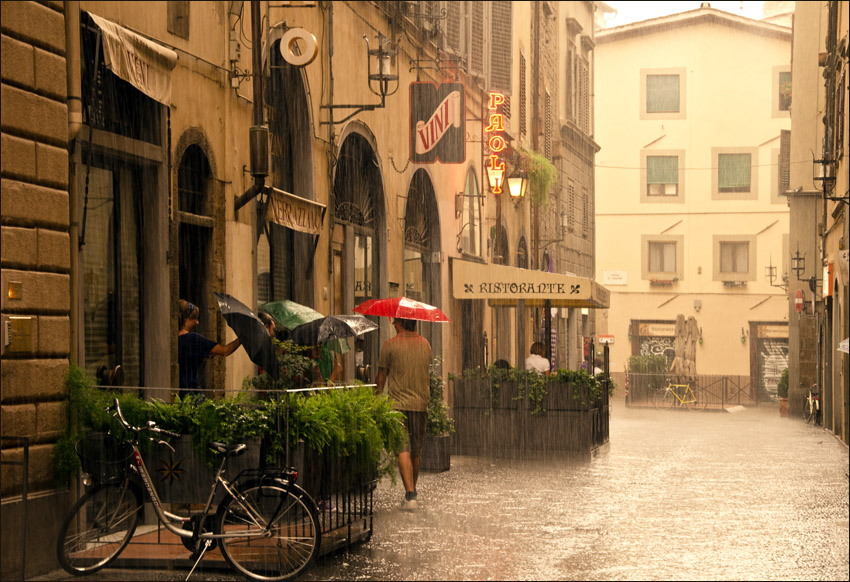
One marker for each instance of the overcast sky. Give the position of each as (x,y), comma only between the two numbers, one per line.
(628,12)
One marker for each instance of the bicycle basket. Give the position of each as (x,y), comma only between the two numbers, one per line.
(104,457)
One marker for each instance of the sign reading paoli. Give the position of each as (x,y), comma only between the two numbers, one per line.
(503,285)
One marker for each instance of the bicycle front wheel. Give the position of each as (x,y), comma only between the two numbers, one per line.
(99,527)
(808,410)
(272,533)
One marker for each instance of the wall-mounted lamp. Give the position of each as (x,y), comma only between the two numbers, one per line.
(823,174)
(700,336)
(743,336)
(496,176)
(517,185)
(383,57)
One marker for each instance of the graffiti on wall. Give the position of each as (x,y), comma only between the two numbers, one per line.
(658,346)
(773,359)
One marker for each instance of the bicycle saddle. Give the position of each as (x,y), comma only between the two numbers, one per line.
(229,450)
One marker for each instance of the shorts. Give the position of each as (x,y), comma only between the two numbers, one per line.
(414,422)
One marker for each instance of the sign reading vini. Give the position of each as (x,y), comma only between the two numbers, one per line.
(437,124)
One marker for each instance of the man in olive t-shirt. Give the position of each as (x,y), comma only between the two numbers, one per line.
(403,367)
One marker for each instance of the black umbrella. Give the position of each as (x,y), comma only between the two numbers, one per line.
(250,331)
(331,328)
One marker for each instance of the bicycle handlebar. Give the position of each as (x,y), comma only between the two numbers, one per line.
(151,427)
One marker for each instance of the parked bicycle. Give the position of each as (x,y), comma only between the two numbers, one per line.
(266,526)
(678,396)
(811,408)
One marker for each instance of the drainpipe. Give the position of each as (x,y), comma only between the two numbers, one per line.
(75,121)
(259,133)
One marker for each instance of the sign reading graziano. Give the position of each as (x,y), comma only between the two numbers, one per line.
(295,212)
(505,285)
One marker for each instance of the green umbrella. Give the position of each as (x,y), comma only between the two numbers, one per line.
(290,315)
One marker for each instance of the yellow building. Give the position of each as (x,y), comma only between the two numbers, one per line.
(691,216)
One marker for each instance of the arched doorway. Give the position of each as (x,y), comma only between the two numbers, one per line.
(422,262)
(358,243)
(285,256)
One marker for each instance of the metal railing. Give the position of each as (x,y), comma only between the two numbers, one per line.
(717,391)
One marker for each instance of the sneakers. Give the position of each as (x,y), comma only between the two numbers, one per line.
(409,503)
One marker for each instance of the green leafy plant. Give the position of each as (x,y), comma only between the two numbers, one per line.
(350,422)
(782,386)
(542,174)
(439,421)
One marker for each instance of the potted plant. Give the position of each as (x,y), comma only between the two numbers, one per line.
(782,393)
(436,452)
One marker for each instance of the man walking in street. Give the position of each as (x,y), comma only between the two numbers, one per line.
(403,367)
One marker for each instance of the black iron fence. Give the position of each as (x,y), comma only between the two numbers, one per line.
(715,391)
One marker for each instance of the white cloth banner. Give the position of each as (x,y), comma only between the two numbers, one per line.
(143,63)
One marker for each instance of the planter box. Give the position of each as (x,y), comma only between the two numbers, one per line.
(182,477)
(507,428)
(436,453)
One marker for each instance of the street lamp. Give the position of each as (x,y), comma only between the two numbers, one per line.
(517,185)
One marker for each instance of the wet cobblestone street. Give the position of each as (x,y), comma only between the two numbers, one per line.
(679,495)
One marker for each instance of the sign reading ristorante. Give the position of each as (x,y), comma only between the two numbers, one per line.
(506,285)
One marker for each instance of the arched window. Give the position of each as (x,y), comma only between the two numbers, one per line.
(470,229)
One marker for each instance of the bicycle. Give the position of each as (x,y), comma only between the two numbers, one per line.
(678,396)
(811,408)
(267,527)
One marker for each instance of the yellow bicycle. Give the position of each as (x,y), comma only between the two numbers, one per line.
(678,396)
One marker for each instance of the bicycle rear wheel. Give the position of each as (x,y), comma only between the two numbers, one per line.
(99,527)
(279,540)
(663,398)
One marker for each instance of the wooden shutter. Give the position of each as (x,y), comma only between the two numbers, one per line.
(476,38)
(501,28)
(522,95)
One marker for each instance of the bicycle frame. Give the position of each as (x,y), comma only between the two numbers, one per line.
(683,398)
(168,519)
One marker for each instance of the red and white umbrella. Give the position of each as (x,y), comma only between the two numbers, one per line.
(402,308)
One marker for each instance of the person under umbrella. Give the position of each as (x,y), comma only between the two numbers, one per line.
(193,349)
(251,331)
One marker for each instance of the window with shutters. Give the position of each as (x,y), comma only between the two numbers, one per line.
(522,95)
(178,19)
(734,258)
(662,180)
(662,93)
(547,129)
(501,27)
(569,80)
(585,213)
(583,95)
(454,27)
(476,38)
(662,175)
(733,175)
(662,257)
(571,206)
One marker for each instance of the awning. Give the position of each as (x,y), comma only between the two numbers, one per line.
(143,63)
(295,212)
(502,285)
